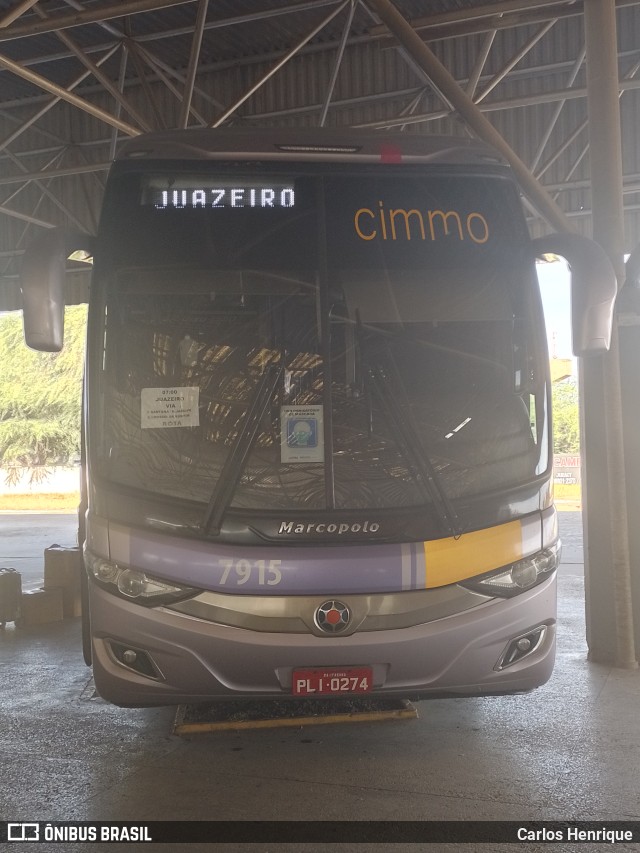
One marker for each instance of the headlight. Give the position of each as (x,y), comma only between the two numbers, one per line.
(517,577)
(134,584)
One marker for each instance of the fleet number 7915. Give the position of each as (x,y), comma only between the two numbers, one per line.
(239,572)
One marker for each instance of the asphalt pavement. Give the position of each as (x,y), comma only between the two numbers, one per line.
(565,752)
(570,524)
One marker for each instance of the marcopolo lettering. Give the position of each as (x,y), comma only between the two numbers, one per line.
(335,528)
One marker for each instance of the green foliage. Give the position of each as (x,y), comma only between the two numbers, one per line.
(566,417)
(40,394)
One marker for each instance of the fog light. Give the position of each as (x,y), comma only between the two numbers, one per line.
(520,647)
(136,660)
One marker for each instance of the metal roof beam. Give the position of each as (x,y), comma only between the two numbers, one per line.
(166,72)
(291,53)
(145,38)
(159,68)
(89,16)
(494,106)
(490,10)
(133,7)
(45,109)
(62,93)
(24,217)
(556,113)
(16,12)
(50,104)
(54,173)
(471,114)
(102,78)
(194,57)
(139,62)
(337,63)
(481,61)
(515,59)
(109,28)
(46,191)
(502,15)
(623,85)
(122,73)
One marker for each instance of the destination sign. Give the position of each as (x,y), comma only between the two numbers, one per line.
(165,193)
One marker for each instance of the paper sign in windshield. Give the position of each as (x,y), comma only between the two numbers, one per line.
(302,434)
(163,408)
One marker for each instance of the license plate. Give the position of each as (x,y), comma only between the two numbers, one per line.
(320,681)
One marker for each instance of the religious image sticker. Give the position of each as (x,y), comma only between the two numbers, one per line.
(302,434)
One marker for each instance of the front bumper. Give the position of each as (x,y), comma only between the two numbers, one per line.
(197,660)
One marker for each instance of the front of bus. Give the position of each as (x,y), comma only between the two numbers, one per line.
(318,427)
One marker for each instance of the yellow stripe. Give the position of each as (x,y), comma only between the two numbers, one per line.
(451,560)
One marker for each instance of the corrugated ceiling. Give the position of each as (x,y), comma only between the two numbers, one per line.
(78,77)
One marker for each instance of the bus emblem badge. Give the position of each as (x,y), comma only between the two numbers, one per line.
(333,617)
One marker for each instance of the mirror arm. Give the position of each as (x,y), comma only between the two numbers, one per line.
(593,289)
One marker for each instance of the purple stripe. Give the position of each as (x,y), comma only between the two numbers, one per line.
(237,569)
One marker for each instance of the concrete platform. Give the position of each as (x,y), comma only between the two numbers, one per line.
(569,751)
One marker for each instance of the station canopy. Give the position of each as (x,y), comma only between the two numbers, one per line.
(78,77)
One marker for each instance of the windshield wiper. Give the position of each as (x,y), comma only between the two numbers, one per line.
(407,435)
(239,454)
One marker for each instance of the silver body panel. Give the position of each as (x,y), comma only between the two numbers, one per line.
(198,661)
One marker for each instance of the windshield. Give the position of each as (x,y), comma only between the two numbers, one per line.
(357,346)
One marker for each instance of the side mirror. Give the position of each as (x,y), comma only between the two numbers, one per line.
(42,286)
(628,301)
(593,289)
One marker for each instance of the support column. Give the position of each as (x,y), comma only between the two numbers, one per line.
(610,633)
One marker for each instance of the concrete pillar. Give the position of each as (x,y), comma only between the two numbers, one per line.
(610,633)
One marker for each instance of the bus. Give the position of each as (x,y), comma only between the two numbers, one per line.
(317,427)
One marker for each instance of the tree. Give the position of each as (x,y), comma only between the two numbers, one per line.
(40,395)
(566,417)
